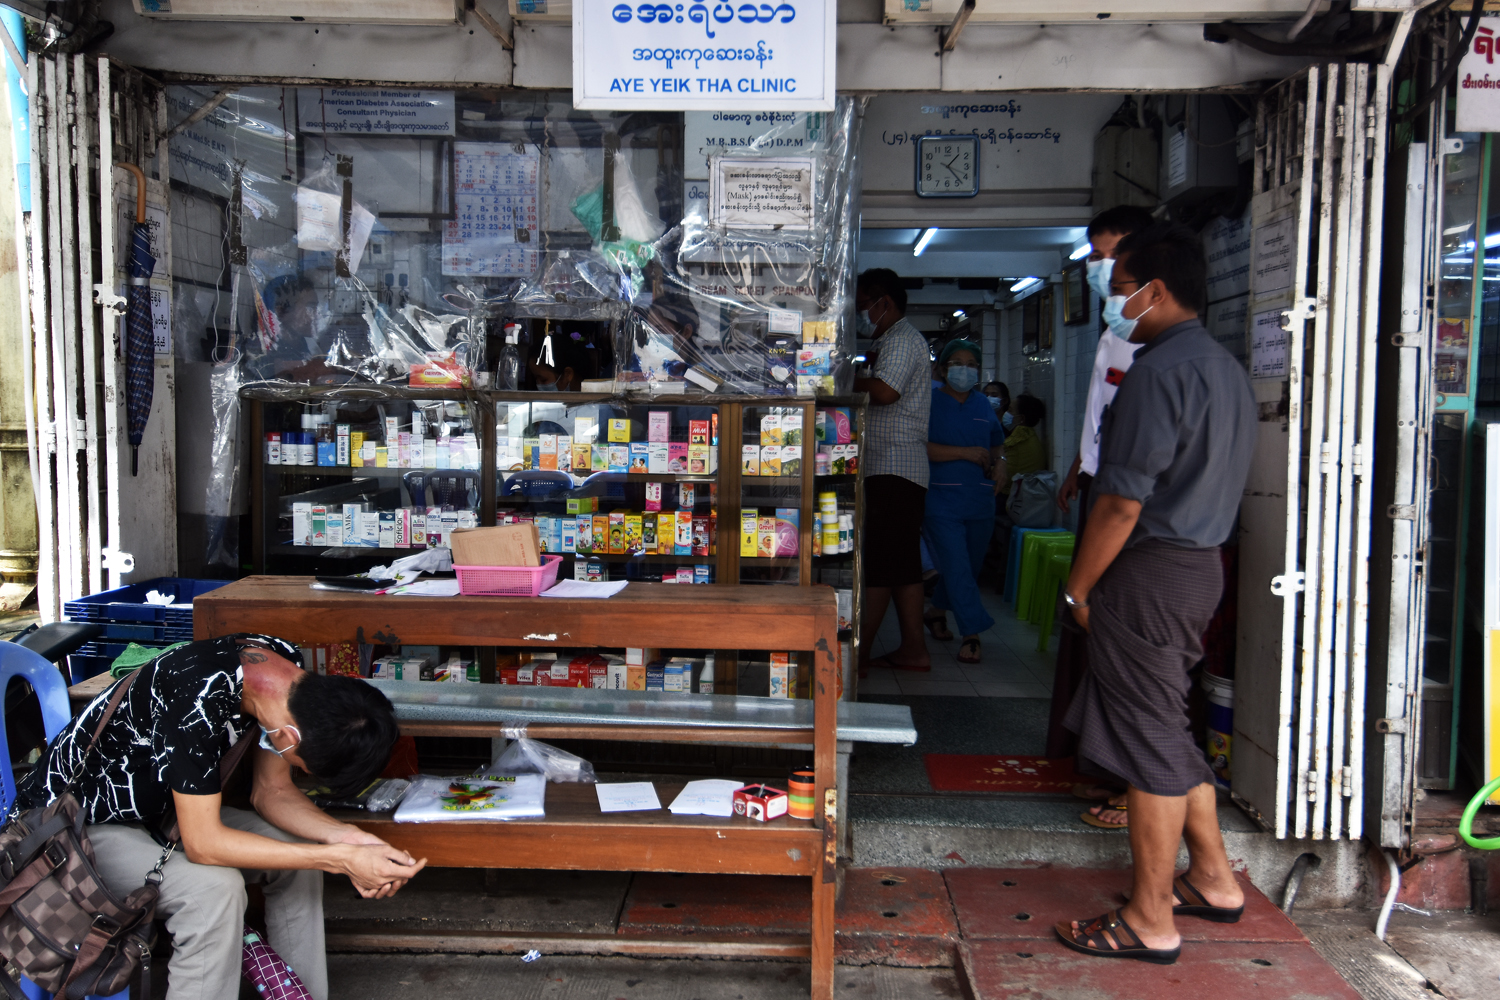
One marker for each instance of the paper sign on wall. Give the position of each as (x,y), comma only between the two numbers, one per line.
(1271,264)
(1268,346)
(161,319)
(761,193)
(1479,81)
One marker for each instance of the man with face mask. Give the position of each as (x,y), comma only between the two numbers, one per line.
(1174,456)
(894,455)
(1112,359)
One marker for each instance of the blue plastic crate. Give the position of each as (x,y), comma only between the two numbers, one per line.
(81,668)
(126,616)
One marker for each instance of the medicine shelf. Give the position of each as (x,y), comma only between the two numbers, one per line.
(354,472)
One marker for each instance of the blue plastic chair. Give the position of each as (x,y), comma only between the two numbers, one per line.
(52,691)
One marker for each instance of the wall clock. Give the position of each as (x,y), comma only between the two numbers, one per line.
(947,166)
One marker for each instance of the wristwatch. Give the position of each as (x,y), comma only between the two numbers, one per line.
(1073,602)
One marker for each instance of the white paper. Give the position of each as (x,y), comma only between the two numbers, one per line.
(361,223)
(495,232)
(317,219)
(474,797)
(762,193)
(427,588)
(706,797)
(627,796)
(161,319)
(578,588)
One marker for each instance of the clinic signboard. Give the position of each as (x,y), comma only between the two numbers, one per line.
(1479,80)
(704,56)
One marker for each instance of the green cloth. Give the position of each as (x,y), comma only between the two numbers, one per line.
(136,655)
(1023,453)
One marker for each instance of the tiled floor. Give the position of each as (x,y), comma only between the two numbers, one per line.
(1011,667)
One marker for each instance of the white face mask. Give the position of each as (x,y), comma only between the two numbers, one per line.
(1114,314)
(1098,275)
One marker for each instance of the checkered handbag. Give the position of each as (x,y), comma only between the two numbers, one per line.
(60,926)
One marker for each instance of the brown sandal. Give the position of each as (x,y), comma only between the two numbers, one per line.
(1095,816)
(1110,936)
(972,642)
(938,620)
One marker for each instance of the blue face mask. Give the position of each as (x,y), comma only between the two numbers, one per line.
(1114,314)
(1007,422)
(1099,273)
(961,379)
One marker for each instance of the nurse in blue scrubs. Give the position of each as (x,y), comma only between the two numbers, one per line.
(964,441)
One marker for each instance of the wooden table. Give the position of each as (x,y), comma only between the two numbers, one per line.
(575,835)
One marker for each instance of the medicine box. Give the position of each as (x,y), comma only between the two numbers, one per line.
(701,573)
(700,534)
(676,676)
(760,802)
(648,533)
(765,536)
(770,460)
(791,428)
(301,524)
(318,534)
(770,430)
(684,574)
(656,675)
(788,534)
(564,453)
(616,533)
(684,537)
(583,458)
(687,496)
(783,675)
(582,505)
(657,459)
(619,458)
(698,459)
(749,528)
(658,424)
(677,457)
(750,460)
(599,458)
(653,496)
(619,429)
(791,460)
(698,432)
(851,458)
(633,530)
(585,430)
(640,456)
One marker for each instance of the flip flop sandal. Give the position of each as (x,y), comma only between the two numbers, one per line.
(1187,901)
(1093,817)
(890,664)
(938,621)
(1110,936)
(973,658)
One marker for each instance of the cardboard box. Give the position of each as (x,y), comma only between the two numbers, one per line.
(635,677)
(783,675)
(677,457)
(619,458)
(702,573)
(750,460)
(634,529)
(656,675)
(770,430)
(583,458)
(657,459)
(698,455)
(653,496)
(582,505)
(641,657)
(564,453)
(615,673)
(601,535)
(684,575)
(684,536)
(760,802)
(585,430)
(583,531)
(502,545)
(687,496)
(698,432)
(700,534)
(599,460)
(648,533)
(619,429)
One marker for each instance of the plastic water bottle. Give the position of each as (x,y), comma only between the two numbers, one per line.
(508,373)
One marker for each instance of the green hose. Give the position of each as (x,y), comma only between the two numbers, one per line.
(1466,824)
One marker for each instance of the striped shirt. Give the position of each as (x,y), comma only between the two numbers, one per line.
(896,435)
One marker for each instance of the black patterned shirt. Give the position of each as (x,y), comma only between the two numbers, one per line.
(168,735)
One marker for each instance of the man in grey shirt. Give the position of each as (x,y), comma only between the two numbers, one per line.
(1174,456)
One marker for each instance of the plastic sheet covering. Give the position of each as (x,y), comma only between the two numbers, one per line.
(223,541)
(715,249)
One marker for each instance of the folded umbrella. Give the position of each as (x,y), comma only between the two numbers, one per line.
(140,379)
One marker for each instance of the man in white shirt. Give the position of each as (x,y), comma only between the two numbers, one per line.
(1112,359)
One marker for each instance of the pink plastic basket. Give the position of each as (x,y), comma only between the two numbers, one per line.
(508,581)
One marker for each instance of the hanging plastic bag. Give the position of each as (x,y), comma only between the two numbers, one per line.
(528,756)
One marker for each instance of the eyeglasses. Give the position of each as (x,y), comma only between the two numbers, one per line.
(266,744)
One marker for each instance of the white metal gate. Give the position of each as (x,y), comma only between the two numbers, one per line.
(1319,193)
(76,366)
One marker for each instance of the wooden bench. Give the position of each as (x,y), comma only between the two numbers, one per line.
(574,834)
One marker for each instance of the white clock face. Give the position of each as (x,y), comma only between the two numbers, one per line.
(947,166)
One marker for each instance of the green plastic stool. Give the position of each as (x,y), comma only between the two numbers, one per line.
(1041,602)
(1054,577)
(1036,549)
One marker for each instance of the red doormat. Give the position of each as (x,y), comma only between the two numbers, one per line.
(962,772)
